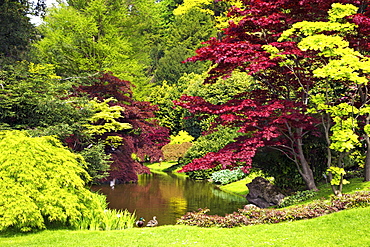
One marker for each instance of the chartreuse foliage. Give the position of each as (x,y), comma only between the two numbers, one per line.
(342,64)
(42,183)
(218,10)
(346,65)
(181,137)
(105,118)
(85,39)
(107,219)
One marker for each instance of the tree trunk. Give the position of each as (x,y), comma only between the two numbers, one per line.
(307,175)
(367,160)
(306,171)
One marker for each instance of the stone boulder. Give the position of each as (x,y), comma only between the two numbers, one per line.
(264,194)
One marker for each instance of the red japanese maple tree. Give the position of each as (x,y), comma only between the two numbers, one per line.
(144,140)
(275,115)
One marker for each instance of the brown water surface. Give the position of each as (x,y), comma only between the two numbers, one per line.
(168,197)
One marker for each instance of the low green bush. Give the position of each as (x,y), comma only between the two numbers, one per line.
(252,215)
(210,143)
(202,174)
(181,137)
(297,197)
(227,176)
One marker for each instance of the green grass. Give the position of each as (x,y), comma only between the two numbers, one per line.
(160,166)
(238,187)
(345,228)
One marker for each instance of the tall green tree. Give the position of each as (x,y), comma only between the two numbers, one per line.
(184,35)
(16,30)
(31,96)
(83,42)
(89,36)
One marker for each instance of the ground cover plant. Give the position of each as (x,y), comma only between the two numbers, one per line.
(227,176)
(298,196)
(252,215)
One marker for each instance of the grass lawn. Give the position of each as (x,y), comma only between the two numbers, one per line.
(238,187)
(345,228)
(160,166)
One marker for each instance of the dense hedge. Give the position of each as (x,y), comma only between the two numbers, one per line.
(252,215)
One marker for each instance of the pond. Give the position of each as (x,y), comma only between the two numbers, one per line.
(169,197)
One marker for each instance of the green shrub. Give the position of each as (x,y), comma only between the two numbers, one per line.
(42,183)
(252,215)
(181,137)
(297,197)
(202,174)
(174,152)
(283,170)
(210,143)
(97,161)
(254,172)
(227,176)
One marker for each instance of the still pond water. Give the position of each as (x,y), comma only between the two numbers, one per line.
(169,197)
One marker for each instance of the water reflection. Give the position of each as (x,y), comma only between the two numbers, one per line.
(168,197)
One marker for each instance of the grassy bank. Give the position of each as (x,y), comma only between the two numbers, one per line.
(346,228)
(238,187)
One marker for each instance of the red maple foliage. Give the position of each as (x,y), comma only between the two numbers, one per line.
(275,116)
(144,140)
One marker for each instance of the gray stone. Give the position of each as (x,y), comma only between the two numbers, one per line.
(264,194)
